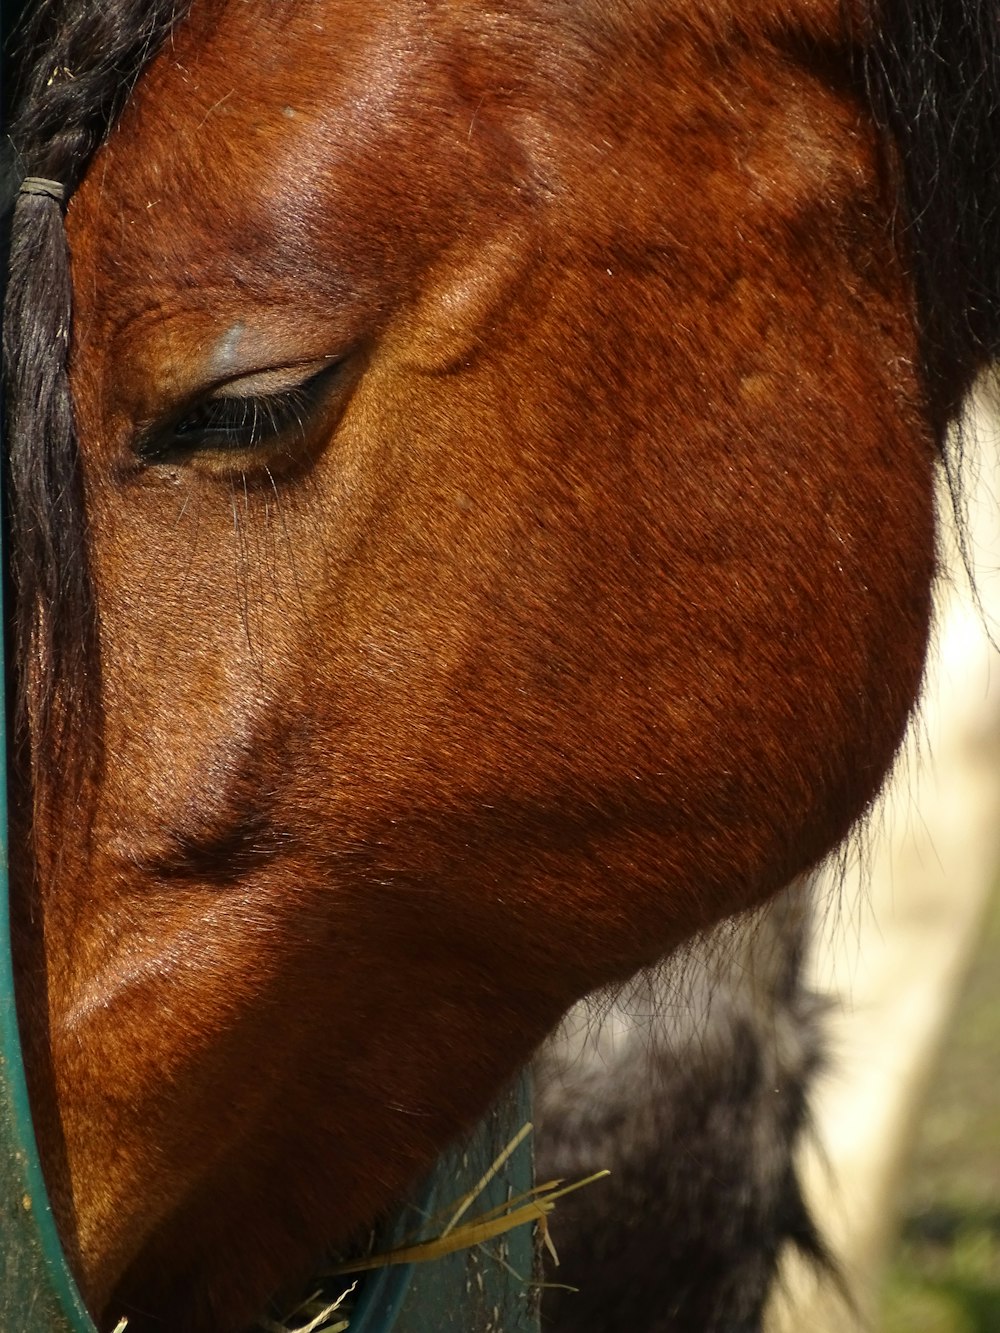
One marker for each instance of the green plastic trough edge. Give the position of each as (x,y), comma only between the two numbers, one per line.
(37,1290)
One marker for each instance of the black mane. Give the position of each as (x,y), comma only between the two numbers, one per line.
(74,63)
(932,73)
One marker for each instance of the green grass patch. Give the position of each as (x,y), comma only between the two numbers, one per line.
(945,1277)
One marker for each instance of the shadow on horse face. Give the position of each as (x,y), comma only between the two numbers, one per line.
(509,510)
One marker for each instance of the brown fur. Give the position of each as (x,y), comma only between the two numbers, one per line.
(590,609)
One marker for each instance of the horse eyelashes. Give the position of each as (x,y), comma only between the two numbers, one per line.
(234,423)
(241,423)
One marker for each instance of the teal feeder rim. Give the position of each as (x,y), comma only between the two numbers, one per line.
(34,1267)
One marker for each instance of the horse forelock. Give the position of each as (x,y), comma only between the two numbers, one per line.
(76,63)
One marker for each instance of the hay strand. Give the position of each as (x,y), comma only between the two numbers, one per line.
(531,1206)
(498,1163)
(495,1222)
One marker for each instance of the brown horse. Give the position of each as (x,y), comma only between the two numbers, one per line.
(490,540)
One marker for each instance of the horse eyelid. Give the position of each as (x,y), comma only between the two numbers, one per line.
(227,422)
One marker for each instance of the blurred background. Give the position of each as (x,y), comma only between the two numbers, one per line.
(904,1169)
(944,1271)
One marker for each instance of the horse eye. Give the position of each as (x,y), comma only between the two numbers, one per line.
(238,423)
(228,422)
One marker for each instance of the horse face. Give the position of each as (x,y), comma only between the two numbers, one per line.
(509,514)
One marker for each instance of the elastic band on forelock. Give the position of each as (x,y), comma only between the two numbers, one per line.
(41,185)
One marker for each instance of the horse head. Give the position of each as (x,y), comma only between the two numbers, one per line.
(500,508)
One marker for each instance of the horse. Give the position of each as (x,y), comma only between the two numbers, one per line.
(471,528)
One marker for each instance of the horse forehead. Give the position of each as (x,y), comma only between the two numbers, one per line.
(231,168)
(226,136)
(321,176)
(234,179)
